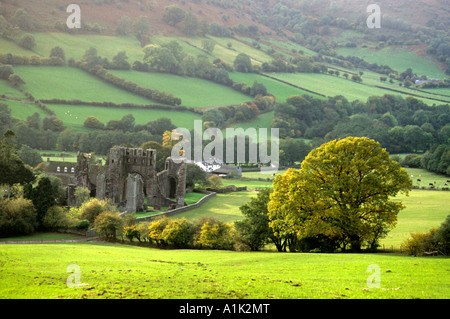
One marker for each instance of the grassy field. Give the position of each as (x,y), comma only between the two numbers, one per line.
(207,93)
(73,116)
(122,271)
(117,271)
(224,207)
(281,91)
(22,110)
(10,92)
(424,210)
(46,82)
(333,85)
(399,59)
(75,45)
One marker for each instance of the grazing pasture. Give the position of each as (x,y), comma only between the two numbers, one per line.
(114,271)
(207,93)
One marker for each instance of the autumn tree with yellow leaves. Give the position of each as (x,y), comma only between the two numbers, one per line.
(342,196)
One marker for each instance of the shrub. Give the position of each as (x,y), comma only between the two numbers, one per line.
(82,195)
(215,182)
(216,235)
(420,243)
(442,237)
(156,229)
(436,239)
(82,225)
(108,224)
(178,233)
(17,217)
(55,218)
(412,160)
(92,208)
(143,231)
(27,41)
(131,232)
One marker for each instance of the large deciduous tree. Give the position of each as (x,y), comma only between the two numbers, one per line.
(343,192)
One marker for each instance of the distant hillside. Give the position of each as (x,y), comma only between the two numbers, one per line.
(318,25)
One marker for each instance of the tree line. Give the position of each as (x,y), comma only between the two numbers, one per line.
(401,125)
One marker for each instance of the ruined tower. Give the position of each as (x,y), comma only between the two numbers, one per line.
(129,179)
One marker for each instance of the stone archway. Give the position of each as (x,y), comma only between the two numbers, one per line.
(172,187)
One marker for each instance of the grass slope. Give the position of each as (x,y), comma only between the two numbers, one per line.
(280,90)
(22,110)
(120,271)
(333,85)
(424,210)
(192,91)
(224,207)
(73,116)
(398,58)
(71,83)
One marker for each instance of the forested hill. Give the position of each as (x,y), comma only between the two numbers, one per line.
(316,24)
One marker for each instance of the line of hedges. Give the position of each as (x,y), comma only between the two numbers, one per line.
(155,95)
(9,58)
(125,105)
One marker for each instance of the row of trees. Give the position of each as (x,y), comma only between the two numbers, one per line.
(56,58)
(93,64)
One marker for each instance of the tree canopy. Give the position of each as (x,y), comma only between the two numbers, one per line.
(343,193)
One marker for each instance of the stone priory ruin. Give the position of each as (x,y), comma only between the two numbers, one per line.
(129,179)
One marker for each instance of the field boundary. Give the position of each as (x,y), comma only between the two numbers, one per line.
(411,94)
(166,107)
(49,241)
(290,84)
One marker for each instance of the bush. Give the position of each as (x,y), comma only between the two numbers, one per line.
(93,122)
(412,160)
(55,218)
(436,239)
(27,42)
(420,243)
(178,233)
(442,237)
(215,235)
(215,182)
(92,208)
(108,224)
(156,229)
(82,225)
(17,217)
(82,195)
(131,232)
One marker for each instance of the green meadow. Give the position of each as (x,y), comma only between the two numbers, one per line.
(73,116)
(46,82)
(115,271)
(399,59)
(224,207)
(424,210)
(281,91)
(207,93)
(75,45)
(333,85)
(22,110)
(9,91)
